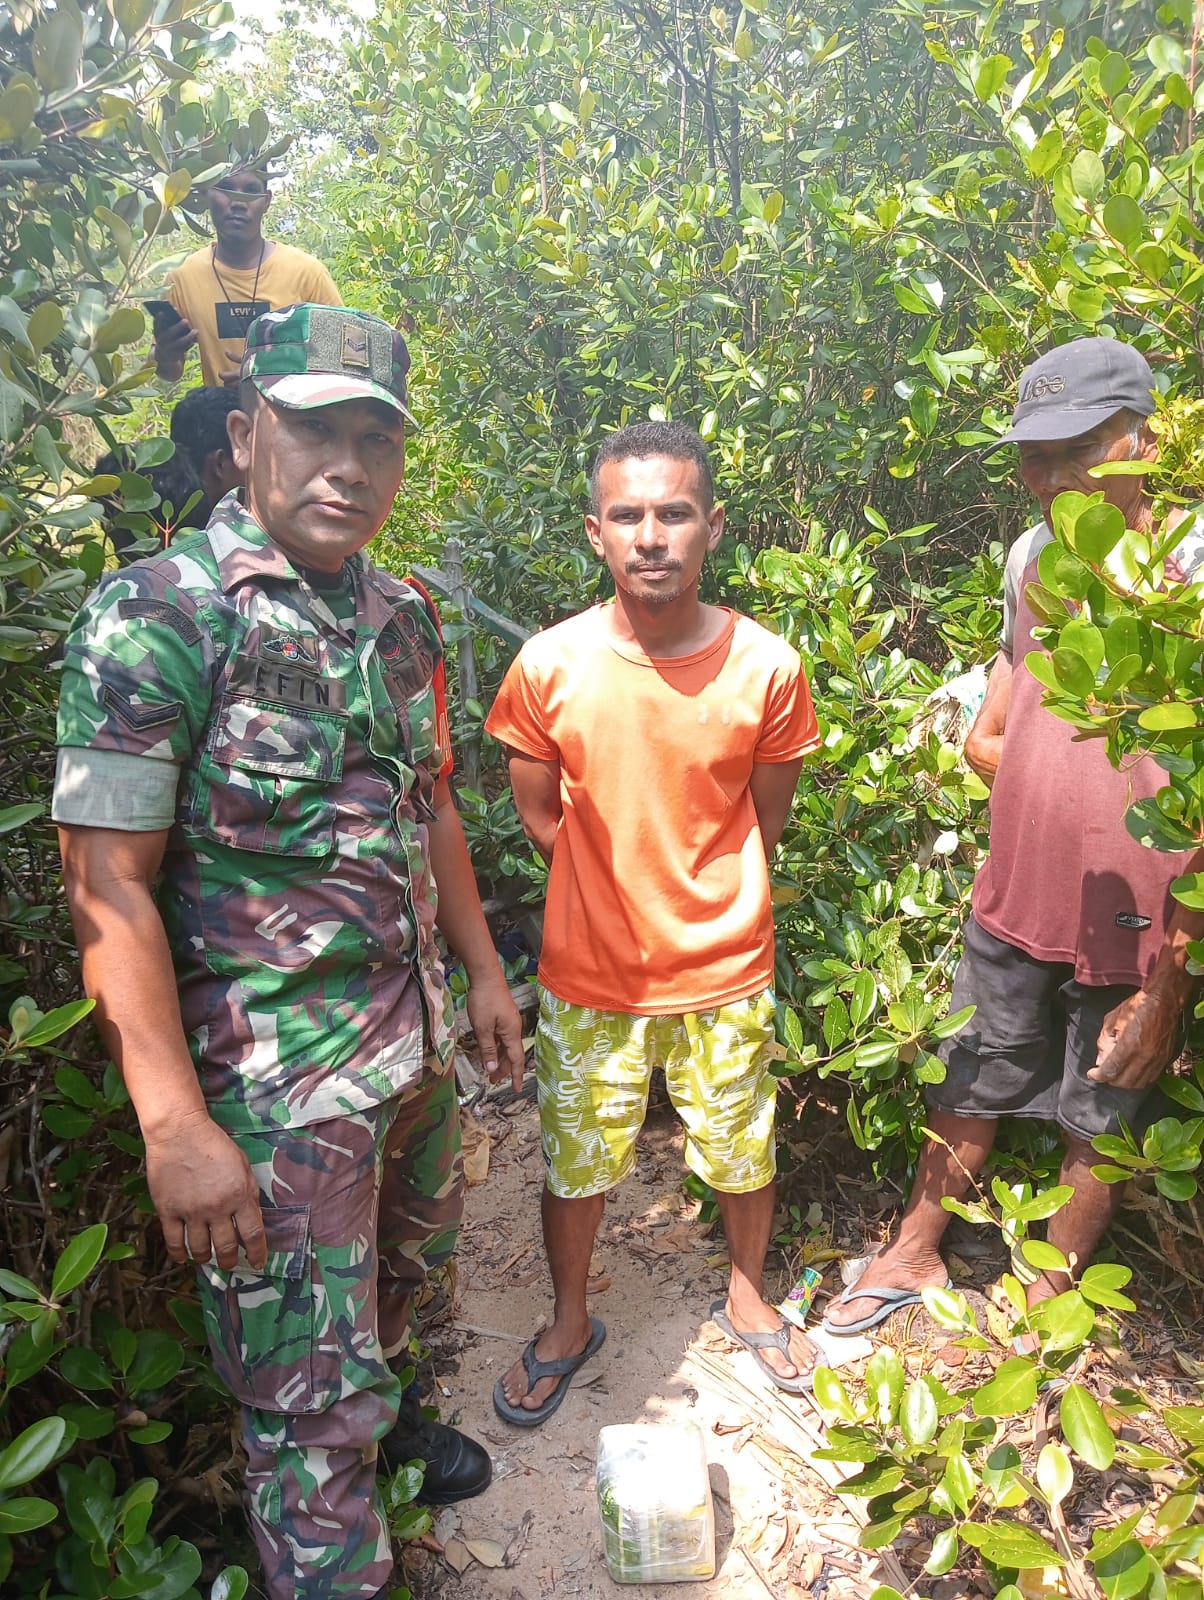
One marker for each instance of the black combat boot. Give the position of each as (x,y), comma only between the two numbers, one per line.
(457,1467)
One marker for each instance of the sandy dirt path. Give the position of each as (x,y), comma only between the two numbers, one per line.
(654,1276)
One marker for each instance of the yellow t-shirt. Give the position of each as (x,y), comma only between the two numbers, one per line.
(658,895)
(217,304)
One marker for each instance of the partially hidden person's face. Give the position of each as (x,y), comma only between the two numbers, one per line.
(219,475)
(237,205)
(653,527)
(1049,468)
(320,483)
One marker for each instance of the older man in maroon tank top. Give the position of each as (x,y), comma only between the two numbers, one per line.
(1075,955)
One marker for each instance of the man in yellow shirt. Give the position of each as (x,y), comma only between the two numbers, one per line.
(220,289)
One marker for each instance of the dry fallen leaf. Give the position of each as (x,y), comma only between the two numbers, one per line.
(810,1568)
(598,1285)
(487,1551)
(457,1555)
(476,1154)
(1189,1365)
(1000,1324)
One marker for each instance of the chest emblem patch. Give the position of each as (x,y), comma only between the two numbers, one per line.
(287,648)
(1132,919)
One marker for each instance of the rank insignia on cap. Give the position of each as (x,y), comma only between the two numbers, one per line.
(355,346)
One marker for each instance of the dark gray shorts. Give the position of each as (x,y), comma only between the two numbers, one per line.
(1027,1048)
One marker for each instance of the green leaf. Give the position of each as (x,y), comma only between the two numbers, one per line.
(13,401)
(1087,175)
(884,1381)
(836,1023)
(1113,74)
(21,1516)
(17,106)
(231,1583)
(31,1452)
(1013,1389)
(171,190)
(1125,1572)
(1085,1428)
(878,1477)
(1178,1186)
(830,1393)
(1043,1256)
(918,1415)
(1011,1544)
(1167,715)
(863,999)
(45,324)
(946,1307)
(58,48)
(992,76)
(1189,890)
(85,1369)
(1102,1284)
(1046,153)
(78,1260)
(792,1028)
(944,1553)
(57,1022)
(17,816)
(1095,532)
(1071,672)
(958,1482)
(126,326)
(1085,639)
(133,15)
(12,1283)
(153,1433)
(1055,1475)
(1124,220)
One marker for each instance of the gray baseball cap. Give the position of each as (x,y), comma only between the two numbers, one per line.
(1076,386)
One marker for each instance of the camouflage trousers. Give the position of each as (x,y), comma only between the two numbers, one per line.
(357,1211)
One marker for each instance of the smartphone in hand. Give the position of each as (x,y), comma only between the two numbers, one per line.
(162,313)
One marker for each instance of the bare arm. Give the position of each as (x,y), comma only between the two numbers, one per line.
(772,786)
(1137,1037)
(459,918)
(984,742)
(536,788)
(200,1181)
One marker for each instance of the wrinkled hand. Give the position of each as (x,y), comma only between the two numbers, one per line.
(1136,1041)
(498,1028)
(172,343)
(205,1195)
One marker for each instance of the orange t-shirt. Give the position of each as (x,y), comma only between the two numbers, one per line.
(658,896)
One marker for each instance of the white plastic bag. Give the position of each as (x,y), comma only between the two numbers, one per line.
(654,1499)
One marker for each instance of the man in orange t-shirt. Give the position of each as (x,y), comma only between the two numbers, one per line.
(655,744)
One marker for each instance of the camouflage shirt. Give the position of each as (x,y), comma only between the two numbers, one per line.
(296,888)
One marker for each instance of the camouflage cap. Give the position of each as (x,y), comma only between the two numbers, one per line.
(307,355)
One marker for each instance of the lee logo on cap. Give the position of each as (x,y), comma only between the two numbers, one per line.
(1038,388)
(355,346)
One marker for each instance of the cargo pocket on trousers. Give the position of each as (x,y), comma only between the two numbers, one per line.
(260,1321)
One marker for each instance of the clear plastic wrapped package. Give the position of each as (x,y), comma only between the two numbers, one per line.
(654,1498)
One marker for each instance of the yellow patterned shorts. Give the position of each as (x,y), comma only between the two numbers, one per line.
(592,1071)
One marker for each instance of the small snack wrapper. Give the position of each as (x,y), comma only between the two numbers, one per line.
(798,1302)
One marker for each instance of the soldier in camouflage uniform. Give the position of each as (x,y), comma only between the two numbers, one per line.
(248,728)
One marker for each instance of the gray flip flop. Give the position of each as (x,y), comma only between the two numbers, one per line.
(756,1342)
(524,1417)
(892,1300)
